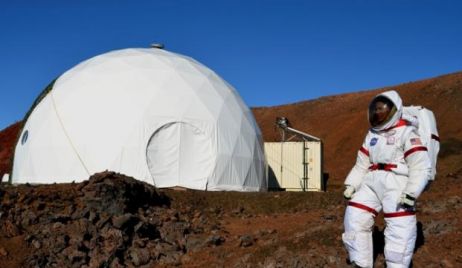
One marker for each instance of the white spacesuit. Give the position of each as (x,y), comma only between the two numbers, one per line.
(391,171)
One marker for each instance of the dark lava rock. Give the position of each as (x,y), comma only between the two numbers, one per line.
(108,221)
(215,240)
(246,241)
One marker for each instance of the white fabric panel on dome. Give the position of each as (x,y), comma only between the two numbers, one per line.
(195,149)
(160,117)
(44,126)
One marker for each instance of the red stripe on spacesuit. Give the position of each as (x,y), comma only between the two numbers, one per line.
(400,123)
(398,214)
(386,167)
(435,137)
(363,207)
(364,151)
(415,149)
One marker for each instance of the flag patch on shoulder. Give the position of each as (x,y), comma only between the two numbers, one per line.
(416,141)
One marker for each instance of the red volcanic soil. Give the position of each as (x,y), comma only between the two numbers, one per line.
(8,138)
(115,221)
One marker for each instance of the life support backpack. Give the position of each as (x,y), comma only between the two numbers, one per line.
(425,122)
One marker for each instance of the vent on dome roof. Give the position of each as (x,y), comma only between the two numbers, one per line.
(157,45)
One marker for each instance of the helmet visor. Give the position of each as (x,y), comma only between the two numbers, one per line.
(381,110)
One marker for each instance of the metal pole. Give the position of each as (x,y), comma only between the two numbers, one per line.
(282,154)
(305,167)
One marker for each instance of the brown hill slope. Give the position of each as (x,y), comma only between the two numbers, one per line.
(340,121)
(8,138)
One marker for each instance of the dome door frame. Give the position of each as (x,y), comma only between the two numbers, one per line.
(180,154)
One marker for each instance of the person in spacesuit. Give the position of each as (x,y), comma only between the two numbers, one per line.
(391,171)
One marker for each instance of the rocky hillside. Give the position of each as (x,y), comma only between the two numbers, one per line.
(341,121)
(8,138)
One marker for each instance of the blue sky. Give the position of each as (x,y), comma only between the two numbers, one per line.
(273,52)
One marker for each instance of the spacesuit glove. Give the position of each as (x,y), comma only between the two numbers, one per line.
(407,200)
(349,191)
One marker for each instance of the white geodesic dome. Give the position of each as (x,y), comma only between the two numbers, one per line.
(158,116)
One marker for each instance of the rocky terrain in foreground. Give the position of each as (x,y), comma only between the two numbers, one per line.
(115,221)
